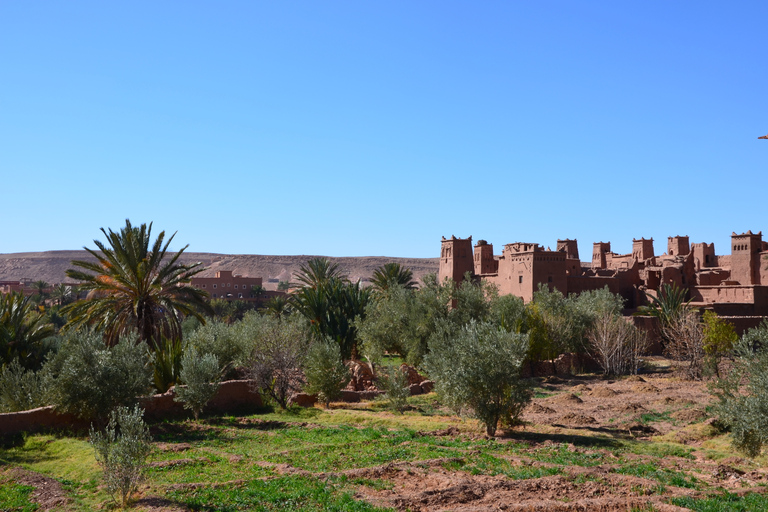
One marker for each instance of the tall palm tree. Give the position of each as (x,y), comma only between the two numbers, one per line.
(391,274)
(136,286)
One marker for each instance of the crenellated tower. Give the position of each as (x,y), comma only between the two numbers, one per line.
(456,258)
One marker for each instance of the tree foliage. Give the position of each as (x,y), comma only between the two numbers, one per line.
(743,393)
(277,358)
(136,285)
(477,370)
(325,372)
(392,274)
(201,375)
(91,378)
(23,331)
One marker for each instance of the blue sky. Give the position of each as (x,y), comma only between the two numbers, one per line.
(375,128)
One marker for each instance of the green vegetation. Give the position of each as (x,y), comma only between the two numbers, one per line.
(325,372)
(15,498)
(725,502)
(743,393)
(201,376)
(135,285)
(121,451)
(477,370)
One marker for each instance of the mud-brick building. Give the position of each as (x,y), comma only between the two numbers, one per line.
(226,285)
(731,285)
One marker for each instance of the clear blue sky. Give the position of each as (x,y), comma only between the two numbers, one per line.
(374,128)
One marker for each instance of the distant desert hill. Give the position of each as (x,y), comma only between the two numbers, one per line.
(51,266)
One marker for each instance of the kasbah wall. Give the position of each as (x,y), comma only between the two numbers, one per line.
(734,286)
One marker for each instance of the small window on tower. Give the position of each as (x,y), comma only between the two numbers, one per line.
(520,279)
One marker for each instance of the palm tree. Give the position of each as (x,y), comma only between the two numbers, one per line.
(392,274)
(41,286)
(22,330)
(135,286)
(62,294)
(317,271)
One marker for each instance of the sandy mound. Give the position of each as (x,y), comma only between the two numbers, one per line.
(689,415)
(577,419)
(566,398)
(603,393)
(540,409)
(645,388)
(635,378)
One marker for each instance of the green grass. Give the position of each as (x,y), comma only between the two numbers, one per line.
(15,498)
(286,493)
(725,502)
(662,475)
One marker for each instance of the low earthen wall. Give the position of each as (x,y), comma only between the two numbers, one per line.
(232,395)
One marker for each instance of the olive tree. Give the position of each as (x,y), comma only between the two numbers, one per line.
(477,370)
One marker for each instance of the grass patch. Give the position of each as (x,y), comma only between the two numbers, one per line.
(287,493)
(59,457)
(725,502)
(15,498)
(662,475)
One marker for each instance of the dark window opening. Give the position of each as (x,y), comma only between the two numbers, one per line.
(520,279)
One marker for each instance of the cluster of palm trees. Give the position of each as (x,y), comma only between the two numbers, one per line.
(136,285)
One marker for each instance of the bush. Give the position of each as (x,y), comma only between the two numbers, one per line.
(21,390)
(91,378)
(226,342)
(478,371)
(719,338)
(280,349)
(121,451)
(202,376)
(616,344)
(685,341)
(743,393)
(325,372)
(394,382)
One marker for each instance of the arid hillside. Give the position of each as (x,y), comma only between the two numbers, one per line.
(51,266)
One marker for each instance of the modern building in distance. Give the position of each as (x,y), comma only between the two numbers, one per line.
(731,285)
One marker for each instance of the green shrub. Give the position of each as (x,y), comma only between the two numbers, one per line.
(719,338)
(743,393)
(121,451)
(91,379)
(166,363)
(202,376)
(324,370)
(279,351)
(21,390)
(226,342)
(394,382)
(477,370)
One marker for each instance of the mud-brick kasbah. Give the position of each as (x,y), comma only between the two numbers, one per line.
(734,286)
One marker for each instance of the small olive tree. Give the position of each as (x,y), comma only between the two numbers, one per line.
(324,370)
(477,370)
(394,382)
(743,393)
(90,378)
(121,451)
(280,347)
(202,376)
